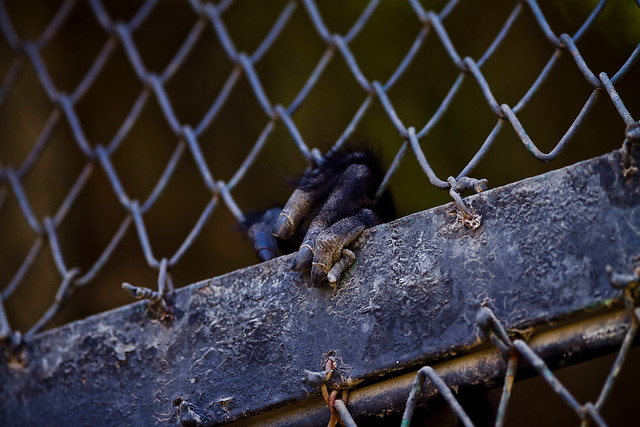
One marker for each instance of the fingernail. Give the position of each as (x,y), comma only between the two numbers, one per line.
(317,276)
(282,227)
(303,260)
(265,254)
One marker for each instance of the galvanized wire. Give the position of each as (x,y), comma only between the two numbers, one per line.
(210,17)
(517,349)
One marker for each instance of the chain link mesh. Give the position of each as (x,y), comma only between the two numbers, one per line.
(29,57)
(517,349)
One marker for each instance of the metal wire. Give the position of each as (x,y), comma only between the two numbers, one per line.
(517,350)
(210,17)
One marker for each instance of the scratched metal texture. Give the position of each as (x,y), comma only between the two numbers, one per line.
(239,343)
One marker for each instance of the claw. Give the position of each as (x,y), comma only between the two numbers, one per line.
(265,244)
(294,212)
(283,228)
(339,267)
(303,260)
(327,251)
(265,254)
(318,273)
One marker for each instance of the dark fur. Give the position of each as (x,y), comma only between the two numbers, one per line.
(322,179)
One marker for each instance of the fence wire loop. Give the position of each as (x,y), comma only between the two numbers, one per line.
(163,297)
(337,406)
(465,215)
(317,378)
(492,328)
(633,132)
(186,413)
(624,281)
(439,384)
(631,142)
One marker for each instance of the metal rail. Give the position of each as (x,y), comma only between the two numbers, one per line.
(238,345)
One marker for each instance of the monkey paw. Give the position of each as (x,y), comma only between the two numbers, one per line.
(338,196)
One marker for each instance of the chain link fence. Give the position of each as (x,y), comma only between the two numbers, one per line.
(119,130)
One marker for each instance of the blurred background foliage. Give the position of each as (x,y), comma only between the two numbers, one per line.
(378,49)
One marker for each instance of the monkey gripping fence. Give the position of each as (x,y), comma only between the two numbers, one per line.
(210,17)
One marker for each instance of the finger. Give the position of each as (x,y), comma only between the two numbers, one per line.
(313,187)
(294,212)
(339,267)
(264,243)
(351,192)
(329,244)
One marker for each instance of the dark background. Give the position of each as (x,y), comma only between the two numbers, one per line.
(378,49)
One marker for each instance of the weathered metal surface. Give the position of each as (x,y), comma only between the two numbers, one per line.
(239,343)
